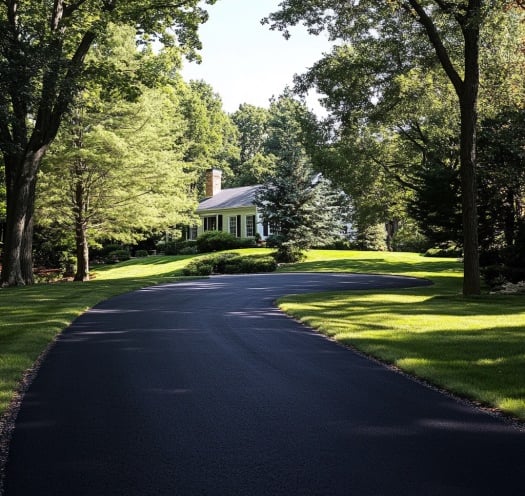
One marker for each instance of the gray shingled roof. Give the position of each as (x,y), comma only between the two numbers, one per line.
(230,198)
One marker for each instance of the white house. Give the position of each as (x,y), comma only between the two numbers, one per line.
(230,210)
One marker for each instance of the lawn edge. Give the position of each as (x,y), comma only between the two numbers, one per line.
(506,417)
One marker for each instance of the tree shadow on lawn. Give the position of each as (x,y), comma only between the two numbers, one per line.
(381,265)
(473,347)
(486,364)
(150,260)
(414,302)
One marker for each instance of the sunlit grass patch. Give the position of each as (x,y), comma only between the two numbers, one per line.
(474,347)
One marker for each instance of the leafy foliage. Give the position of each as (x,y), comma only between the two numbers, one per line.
(300,207)
(211,241)
(230,263)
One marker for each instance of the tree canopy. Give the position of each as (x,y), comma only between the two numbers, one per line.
(404,36)
(43,53)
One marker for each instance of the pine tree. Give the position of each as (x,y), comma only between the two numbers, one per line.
(300,206)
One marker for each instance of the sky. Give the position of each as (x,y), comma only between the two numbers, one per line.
(246,62)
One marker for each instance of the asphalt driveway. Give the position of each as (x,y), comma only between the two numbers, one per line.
(204,388)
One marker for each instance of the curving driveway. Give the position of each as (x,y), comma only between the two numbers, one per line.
(204,388)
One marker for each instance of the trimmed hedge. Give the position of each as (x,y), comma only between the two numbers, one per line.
(229,263)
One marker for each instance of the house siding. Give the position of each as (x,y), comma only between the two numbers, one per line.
(224,224)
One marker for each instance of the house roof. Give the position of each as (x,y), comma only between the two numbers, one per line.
(230,198)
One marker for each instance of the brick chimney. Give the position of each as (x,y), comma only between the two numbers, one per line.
(213,182)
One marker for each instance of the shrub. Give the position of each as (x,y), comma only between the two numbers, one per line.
(229,263)
(511,288)
(288,254)
(141,253)
(118,256)
(189,250)
(497,275)
(211,241)
(411,240)
(450,250)
(179,247)
(371,238)
(198,268)
(250,265)
(337,244)
(274,241)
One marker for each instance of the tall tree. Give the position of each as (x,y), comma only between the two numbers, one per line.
(301,207)
(452,29)
(210,134)
(254,164)
(43,50)
(116,172)
(298,204)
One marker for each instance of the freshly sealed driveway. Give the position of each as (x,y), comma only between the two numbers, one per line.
(204,388)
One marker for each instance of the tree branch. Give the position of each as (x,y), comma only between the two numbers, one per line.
(428,24)
(395,175)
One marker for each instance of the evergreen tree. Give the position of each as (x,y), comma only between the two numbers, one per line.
(300,207)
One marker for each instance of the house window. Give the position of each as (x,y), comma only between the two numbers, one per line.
(192,232)
(210,223)
(233,225)
(250,226)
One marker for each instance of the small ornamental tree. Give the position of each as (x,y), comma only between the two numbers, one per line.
(300,207)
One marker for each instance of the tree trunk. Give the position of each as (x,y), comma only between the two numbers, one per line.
(21,171)
(468,98)
(82,252)
(391,227)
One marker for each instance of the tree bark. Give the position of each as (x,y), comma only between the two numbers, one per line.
(21,171)
(468,98)
(82,252)
(81,242)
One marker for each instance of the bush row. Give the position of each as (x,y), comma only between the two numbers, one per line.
(207,242)
(229,263)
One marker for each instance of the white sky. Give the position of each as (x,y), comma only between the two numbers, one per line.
(244,61)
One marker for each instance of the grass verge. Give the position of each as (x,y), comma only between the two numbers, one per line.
(474,347)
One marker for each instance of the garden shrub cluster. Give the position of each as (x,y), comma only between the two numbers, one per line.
(179,247)
(211,241)
(120,255)
(229,263)
(208,242)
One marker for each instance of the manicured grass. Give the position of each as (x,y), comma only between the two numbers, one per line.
(474,347)
(33,316)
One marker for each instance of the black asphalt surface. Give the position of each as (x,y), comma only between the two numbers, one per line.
(204,388)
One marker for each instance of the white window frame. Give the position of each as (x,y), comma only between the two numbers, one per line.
(232,225)
(250,225)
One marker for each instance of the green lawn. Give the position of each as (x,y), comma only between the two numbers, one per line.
(474,347)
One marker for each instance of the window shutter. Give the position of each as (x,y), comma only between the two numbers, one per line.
(265,229)
(238,226)
(219,228)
